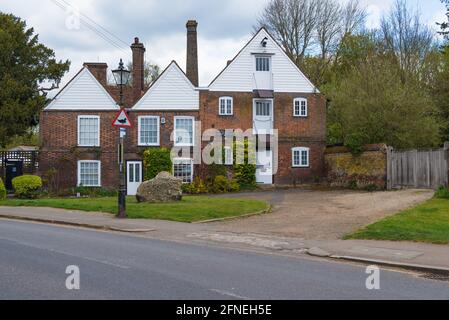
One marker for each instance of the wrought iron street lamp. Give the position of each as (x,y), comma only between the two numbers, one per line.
(122,76)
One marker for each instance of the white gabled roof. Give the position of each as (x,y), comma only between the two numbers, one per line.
(83,92)
(171,91)
(239,74)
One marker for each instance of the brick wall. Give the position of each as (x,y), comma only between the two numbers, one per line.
(369,168)
(294,132)
(59,135)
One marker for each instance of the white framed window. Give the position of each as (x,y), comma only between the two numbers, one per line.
(183,169)
(184,131)
(226,106)
(263,64)
(301,157)
(263,108)
(89,173)
(300,107)
(149,131)
(88,131)
(228,156)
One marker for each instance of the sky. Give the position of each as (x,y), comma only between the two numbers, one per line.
(224,28)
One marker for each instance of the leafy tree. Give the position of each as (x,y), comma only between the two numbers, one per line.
(151,72)
(28,71)
(372,105)
(445,25)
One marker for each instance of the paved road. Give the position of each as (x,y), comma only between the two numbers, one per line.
(34,257)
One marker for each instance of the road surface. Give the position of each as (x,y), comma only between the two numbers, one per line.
(34,258)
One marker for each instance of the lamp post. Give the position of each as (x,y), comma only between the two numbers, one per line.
(121,76)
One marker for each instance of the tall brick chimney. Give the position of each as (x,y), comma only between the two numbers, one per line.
(192,52)
(138,75)
(99,71)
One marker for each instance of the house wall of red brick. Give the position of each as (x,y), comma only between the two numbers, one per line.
(60,137)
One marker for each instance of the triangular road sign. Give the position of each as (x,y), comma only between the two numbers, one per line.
(122,120)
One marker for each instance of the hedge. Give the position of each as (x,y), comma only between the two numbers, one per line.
(2,190)
(157,160)
(27,187)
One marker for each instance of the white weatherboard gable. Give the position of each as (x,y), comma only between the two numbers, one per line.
(84,92)
(172,91)
(239,75)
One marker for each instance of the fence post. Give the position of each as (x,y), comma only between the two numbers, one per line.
(389,168)
(446,159)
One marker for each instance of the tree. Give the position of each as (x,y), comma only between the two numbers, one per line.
(405,36)
(28,71)
(444,26)
(292,23)
(310,31)
(372,105)
(151,72)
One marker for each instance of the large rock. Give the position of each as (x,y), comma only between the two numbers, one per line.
(163,188)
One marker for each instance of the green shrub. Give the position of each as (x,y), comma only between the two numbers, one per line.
(354,142)
(371,188)
(95,192)
(353,185)
(2,190)
(27,187)
(196,187)
(221,184)
(245,174)
(156,160)
(442,193)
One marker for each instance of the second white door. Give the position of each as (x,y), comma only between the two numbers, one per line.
(134,174)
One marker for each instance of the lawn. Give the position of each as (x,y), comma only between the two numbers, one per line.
(428,222)
(190,209)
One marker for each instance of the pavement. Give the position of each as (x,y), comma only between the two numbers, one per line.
(415,256)
(112,265)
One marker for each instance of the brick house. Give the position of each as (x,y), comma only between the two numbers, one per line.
(261,89)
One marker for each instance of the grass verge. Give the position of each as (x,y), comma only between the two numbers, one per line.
(190,209)
(428,222)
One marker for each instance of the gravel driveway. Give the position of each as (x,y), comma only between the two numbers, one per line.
(321,215)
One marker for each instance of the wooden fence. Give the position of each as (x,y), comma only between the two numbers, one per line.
(417,169)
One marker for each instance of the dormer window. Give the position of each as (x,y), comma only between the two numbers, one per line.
(263,64)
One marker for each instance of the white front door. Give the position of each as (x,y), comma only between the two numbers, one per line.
(263,116)
(134,176)
(264,172)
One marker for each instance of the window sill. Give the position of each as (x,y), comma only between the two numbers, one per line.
(300,167)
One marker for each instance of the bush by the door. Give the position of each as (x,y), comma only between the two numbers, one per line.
(155,161)
(27,187)
(2,190)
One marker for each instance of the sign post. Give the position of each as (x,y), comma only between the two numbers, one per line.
(122,122)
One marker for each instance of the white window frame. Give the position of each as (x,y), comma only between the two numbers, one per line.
(262,57)
(300,150)
(158,143)
(226,99)
(99,173)
(228,149)
(175,136)
(300,114)
(79,127)
(192,167)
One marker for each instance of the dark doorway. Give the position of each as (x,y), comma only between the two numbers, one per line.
(13,169)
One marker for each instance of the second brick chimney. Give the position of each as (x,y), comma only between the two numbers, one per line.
(138,72)
(99,71)
(192,52)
